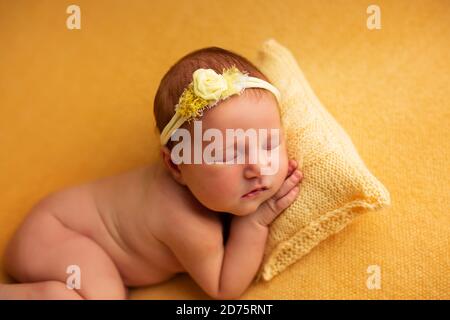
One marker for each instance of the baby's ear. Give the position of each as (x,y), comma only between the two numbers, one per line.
(173,168)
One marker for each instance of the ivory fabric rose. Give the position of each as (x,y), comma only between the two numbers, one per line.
(208,84)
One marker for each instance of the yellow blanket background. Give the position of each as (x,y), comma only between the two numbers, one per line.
(77,105)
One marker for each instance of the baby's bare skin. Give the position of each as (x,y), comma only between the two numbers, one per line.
(144,226)
(134,208)
(125,215)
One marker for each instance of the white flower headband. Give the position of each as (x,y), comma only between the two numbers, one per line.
(206,90)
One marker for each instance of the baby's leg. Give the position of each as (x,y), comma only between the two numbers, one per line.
(42,250)
(44,290)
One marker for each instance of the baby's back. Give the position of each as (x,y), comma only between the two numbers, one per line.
(127,213)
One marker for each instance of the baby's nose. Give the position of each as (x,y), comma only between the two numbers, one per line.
(252,170)
(254,165)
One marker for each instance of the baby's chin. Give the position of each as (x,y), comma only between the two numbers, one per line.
(246,207)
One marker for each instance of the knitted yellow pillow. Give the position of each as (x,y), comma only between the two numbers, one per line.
(337,184)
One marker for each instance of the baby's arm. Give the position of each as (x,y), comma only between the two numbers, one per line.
(248,234)
(226,272)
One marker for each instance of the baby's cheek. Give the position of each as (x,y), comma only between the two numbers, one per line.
(284,165)
(221,179)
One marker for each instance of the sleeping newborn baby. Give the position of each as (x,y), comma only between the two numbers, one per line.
(203,208)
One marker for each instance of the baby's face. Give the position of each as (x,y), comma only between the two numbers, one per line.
(224,187)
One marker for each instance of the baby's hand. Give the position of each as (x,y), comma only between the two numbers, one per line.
(271,208)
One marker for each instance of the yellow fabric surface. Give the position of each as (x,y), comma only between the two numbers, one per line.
(337,184)
(76,105)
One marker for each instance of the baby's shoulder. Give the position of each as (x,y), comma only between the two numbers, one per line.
(189,221)
(180,210)
(190,226)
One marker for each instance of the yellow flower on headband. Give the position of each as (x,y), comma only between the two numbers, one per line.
(208,84)
(190,105)
(207,88)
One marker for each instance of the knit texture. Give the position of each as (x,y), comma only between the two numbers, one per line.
(336,186)
(75,105)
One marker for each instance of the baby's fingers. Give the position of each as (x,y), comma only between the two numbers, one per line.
(292,165)
(288,184)
(287,200)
